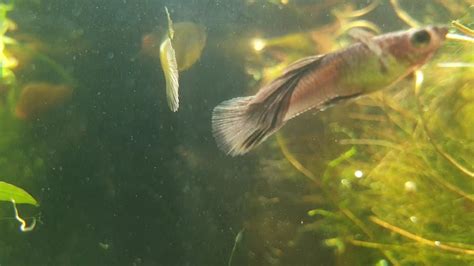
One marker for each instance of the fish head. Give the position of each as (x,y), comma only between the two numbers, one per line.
(428,39)
(422,43)
(414,47)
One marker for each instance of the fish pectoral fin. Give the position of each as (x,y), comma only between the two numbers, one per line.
(366,38)
(360,35)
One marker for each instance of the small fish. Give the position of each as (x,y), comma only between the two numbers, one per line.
(39,98)
(180,49)
(318,82)
(170,67)
(189,40)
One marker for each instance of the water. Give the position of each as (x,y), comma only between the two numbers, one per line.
(121,180)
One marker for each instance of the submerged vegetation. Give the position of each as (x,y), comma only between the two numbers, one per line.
(396,189)
(19,161)
(21,155)
(9,192)
(390,176)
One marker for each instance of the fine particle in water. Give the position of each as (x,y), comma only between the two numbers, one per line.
(346,183)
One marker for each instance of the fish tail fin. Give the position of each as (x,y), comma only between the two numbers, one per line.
(237,125)
(240,124)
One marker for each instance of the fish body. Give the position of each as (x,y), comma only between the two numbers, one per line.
(189,40)
(170,70)
(179,50)
(169,66)
(39,98)
(318,82)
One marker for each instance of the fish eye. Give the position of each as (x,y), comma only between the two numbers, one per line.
(421,37)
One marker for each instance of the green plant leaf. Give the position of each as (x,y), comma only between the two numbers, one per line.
(9,192)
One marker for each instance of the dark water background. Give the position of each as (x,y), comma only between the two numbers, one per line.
(122,170)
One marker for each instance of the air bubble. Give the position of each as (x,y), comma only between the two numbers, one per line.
(410,186)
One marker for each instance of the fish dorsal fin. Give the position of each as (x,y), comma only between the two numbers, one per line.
(273,101)
(291,73)
(302,63)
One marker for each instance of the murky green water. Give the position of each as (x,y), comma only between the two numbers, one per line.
(122,180)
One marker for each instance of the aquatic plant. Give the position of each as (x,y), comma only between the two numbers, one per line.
(405,186)
(7,62)
(9,192)
(21,154)
(16,195)
(20,159)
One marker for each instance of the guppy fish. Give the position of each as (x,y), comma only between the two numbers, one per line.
(318,82)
